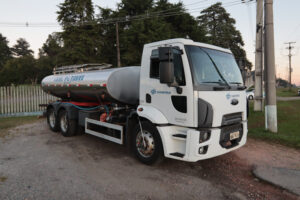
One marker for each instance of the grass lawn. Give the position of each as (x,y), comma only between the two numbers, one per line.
(288,113)
(10,122)
(284,92)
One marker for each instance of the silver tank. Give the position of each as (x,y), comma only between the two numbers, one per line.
(119,85)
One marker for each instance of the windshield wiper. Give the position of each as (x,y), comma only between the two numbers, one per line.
(219,82)
(217,69)
(239,87)
(238,83)
(221,87)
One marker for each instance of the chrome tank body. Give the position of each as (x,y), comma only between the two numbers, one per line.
(120,85)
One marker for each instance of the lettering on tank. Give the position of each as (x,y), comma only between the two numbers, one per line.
(68,79)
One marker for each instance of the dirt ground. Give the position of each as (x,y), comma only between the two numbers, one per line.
(36,163)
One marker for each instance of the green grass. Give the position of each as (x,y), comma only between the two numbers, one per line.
(10,122)
(288,113)
(284,92)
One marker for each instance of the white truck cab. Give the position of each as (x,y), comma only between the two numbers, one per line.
(202,113)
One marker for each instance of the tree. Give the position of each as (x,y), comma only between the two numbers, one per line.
(221,31)
(52,50)
(44,67)
(107,32)
(135,33)
(134,7)
(5,53)
(81,39)
(21,48)
(19,71)
(140,33)
(183,25)
(52,46)
(74,13)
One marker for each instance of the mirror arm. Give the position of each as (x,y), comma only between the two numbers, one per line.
(178,88)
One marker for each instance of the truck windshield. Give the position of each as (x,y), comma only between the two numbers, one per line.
(213,67)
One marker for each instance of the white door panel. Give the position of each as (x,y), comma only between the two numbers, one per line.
(161,94)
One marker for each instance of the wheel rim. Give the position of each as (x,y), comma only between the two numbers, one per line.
(146,150)
(52,119)
(64,123)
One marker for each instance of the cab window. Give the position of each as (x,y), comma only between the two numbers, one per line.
(178,66)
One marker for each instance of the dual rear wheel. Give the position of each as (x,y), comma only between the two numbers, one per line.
(61,122)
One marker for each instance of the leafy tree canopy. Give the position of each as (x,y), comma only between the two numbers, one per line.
(221,31)
(73,13)
(21,48)
(90,37)
(5,52)
(81,39)
(19,70)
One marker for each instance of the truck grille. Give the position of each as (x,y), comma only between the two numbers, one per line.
(225,141)
(233,118)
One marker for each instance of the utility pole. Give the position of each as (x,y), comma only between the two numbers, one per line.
(290,47)
(270,107)
(258,92)
(118,45)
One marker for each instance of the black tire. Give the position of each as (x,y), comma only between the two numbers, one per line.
(52,123)
(68,127)
(157,154)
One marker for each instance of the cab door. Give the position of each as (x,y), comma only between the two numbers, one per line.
(175,106)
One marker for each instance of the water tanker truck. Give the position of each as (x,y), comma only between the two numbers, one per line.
(186,101)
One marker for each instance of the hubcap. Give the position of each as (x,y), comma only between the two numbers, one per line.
(52,119)
(64,123)
(145,146)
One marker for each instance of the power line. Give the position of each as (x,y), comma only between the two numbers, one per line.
(120,20)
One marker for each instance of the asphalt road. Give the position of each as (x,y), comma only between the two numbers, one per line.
(36,163)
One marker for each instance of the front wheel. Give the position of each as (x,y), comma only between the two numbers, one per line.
(68,127)
(147,144)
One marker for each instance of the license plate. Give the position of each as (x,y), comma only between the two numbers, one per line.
(234,135)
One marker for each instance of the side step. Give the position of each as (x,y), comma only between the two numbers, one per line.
(108,131)
(179,136)
(180,155)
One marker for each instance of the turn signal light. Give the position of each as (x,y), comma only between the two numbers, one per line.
(204,136)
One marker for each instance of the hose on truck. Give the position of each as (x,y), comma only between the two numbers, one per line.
(89,109)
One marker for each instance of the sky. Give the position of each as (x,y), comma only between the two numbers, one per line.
(286,25)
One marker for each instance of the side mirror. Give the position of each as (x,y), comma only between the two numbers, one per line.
(166,66)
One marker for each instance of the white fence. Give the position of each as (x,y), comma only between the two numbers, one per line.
(23,100)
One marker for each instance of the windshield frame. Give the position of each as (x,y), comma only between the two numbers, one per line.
(209,86)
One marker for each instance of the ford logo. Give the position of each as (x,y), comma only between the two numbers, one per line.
(234,102)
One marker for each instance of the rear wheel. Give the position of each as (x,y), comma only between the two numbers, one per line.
(147,144)
(52,120)
(68,127)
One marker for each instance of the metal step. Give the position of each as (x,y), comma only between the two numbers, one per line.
(179,136)
(177,154)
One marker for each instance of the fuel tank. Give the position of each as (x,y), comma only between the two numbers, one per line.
(119,85)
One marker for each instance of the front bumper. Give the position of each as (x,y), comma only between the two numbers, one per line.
(188,147)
